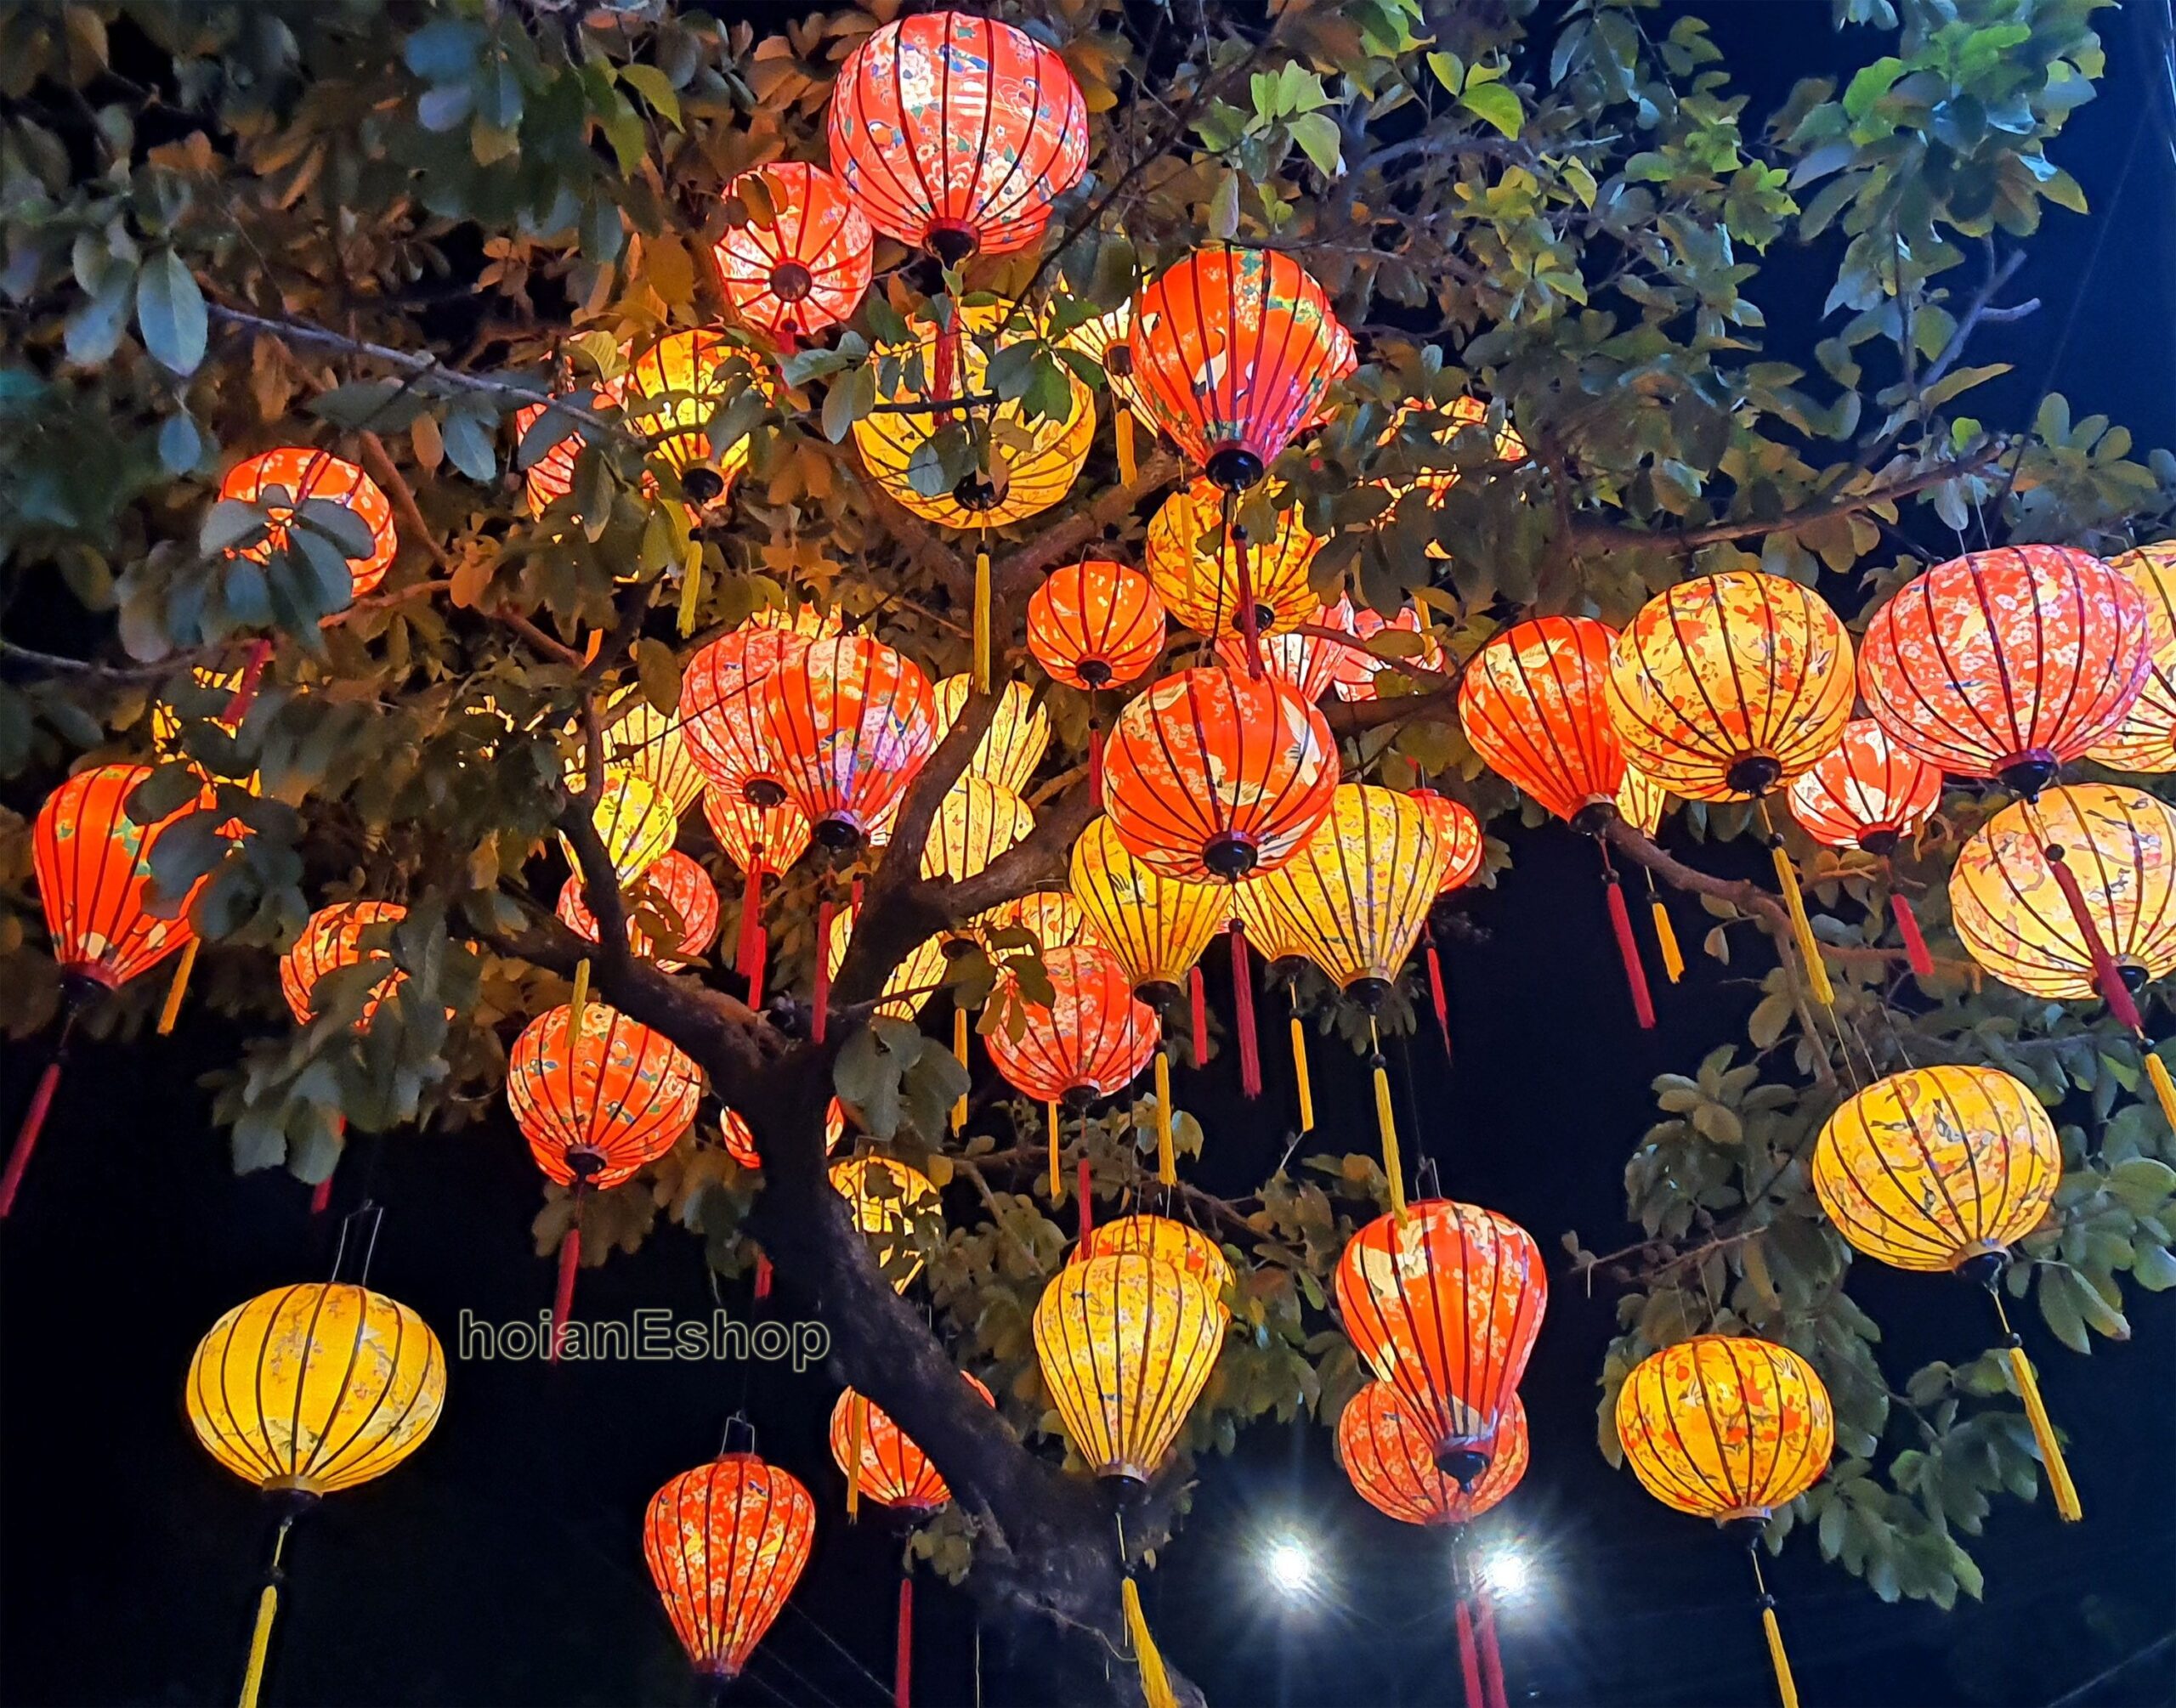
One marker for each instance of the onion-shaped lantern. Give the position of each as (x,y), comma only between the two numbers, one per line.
(977,821)
(1088,1041)
(1384,1451)
(725,1543)
(1199,568)
(2008,663)
(1641,801)
(806,268)
(674,888)
(1360,663)
(332,938)
(908,986)
(1444,1302)
(298,474)
(551,477)
(1168,1241)
(886,1199)
(955,133)
(1535,703)
(594,1111)
(1126,1343)
(1019,736)
(1868,793)
(1211,774)
(881,1461)
(1157,927)
(672,390)
(849,722)
(1096,624)
(2145,740)
(636,824)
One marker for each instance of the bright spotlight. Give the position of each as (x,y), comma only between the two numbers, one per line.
(1506,1572)
(1290,1567)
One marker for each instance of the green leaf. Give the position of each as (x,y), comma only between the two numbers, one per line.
(658,670)
(655,87)
(1316,134)
(1959,380)
(1495,104)
(1870,85)
(93,330)
(181,444)
(170,313)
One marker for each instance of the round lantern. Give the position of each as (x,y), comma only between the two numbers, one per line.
(1462,415)
(1156,927)
(1019,736)
(635,823)
(849,723)
(551,477)
(616,1101)
(92,864)
(1384,1452)
(1866,792)
(1167,1241)
(285,479)
(673,887)
(1096,624)
(1359,665)
(1305,663)
(806,268)
(331,939)
(1444,1302)
(725,1543)
(1726,685)
(672,391)
(641,741)
(886,1199)
(1211,774)
(1087,1042)
(977,821)
(1535,703)
(722,711)
(908,985)
(1126,1343)
(1465,844)
(955,133)
(1199,568)
(763,842)
(881,1461)
(1233,350)
(2008,663)
(1725,1426)
(2145,740)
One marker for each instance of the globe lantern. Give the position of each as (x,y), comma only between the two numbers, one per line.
(722,706)
(1360,662)
(331,939)
(1051,917)
(1444,1301)
(908,985)
(880,1462)
(1305,663)
(1384,1453)
(1866,792)
(1087,1042)
(1196,567)
(725,1543)
(1096,624)
(635,823)
(1106,340)
(1157,927)
(886,1199)
(977,821)
(1168,1241)
(849,723)
(674,888)
(739,1139)
(1019,736)
(670,391)
(2145,740)
(285,479)
(805,268)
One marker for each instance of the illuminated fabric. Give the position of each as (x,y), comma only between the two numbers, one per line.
(315,1388)
(1269,932)
(726,1543)
(773,837)
(1052,916)
(1019,736)
(1641,803)
(1725,686)
(1535,704)
(1461,414)
(642,741)
(977,821)
(1359,667)
(1125,1343)
(301,474)
(885,1199)
(167,722)
(889,1469)
(1305,663)
(2145,740)
(636,824)
(673,388)
(2023,656)
(1166,1240)
(1194,563)
(1726,1426)
(1384,1452)
(1211,774)
(1445,1303)
(1096,624)
(1929,1168)
(618,1099)
(1108,341)
(721,693)
(805,270)
(908,985)
(955,133)
(1465,844)
(1088,1041)
(551,477)
(2010,914)
(331,939)
(93,870)
(673,888)
(740,1140)
(849,722)
(1866,792)
(1156,927)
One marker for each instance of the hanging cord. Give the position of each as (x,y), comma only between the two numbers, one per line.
(1057,1179)
(1787,881)
(563,1298)
(267,1608)
(1242,1012)
(1438,996)
(960,1029)
(1628,947)
(1786,1686)
(2060,1485)
(1386,1122)
(1301,1082)
(826,910)
(982,611)
(1243,588)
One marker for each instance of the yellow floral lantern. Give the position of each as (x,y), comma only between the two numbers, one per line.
(2145,740)
(635,823)
(672,390)
(1019,736)
(1156,927)
(886,1199)
(1051,917)
(641,741)
(1198,568)
(908,985)
(977,821)
(1168,1241)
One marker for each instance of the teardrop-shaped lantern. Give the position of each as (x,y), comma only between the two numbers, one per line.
(1157,927)
(1212,774)
(1384,1452)
(1096,624)
(889,1469)
(849,723)
(888,1201)
(955,133)
(635,823)
(612,1100)
(93,868)
(805,268)
(331,939)
(1126,1343)
(298,475)
(725,1543)
(1725,1426)
(674,889)
(1195,566)
(1087,1042)
(1168,1241)
(1465,844)
(2009,662)
(1019,736)
(670,391)
(721,707)
(772,839)
(2145,740)
(1866,792)
(1535,703)
(977,821)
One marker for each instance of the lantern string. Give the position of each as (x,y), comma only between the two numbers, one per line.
(745,959)
(1095,762)
(1787,881)
(40,1105)
(1057,1183)
(1087,1193)
(1469,1655)
(960,1055)
(903,1662)
(1491,1656)
(1122,429)
(2063,1489)
(1198,1013)
(563,1298)
(267,1607)
(826,910)
(1387,1122)
(857,1416)
(1786,1686)
(1908,928)
(981,641)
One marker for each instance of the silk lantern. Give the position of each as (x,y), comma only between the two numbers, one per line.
(725,1543)
(801,263)
(1088,1041)
(1306,663)
(721,694)
(1361,662)
(886,1200)
(1168,1241)
(1197,567)
(1019,736)
(670,391)
(2145,740)
(295,475)
(331,939)
(1866,792)
(849,723)
(673,887)
(762,841)
(1096,624)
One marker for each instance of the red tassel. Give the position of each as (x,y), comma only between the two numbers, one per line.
(1243,1014)
(1491,1657)
(1087,1203)
(26,1139)
(756,974)
(245,694)
(902,1665)
(748,955)
(562,1302)
(1907,927)
(762,1276)
(1436,995)
(320,1197)
(947,364)
(824,912)
(2105,973)
(1628,951)
(1198,1013)
(1095,762)
(1470,1657)
(1244,576)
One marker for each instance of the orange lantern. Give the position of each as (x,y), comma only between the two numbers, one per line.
(1087,1042)
(1359,665)
(805,268)
(722,708)
(1096,624)
(297,474)
(1443,1300)
(761,841)
(1197,567)
(955,133)
(1019,736)
(2145,740)
(890,1202)
(551,477)
(879,1459)
(331,940)
(1211,774)
(725,1543)
(1051,917)
(849,722)
(1384,1451)
(1866,792)
(672,390)
(1466,851)
(739,1139)
(674,888)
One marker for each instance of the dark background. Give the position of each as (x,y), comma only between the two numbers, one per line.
(501,1565)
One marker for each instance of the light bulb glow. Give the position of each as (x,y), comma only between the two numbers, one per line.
(1290,1567)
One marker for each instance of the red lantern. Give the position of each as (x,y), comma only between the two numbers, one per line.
(551,477)
(849,723)
(726,1543)
(879,1459)
(1096,624)
(301,474)
(806,268)
(763,842)
(331,940)
(1305,663)
(1359,665)
(1386,1454)
(1868,793)
(722,711)
(1535,703)
(672,887)
(955,133)
(1088,1041)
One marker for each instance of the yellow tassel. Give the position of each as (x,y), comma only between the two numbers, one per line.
(1167,1167)
(1808,949)
(180,987)
(2156,1070)
(1155,1683)
(981,619)
(589,646)
(1128,464)
(260,1645)
(1392,1167)
(1299,1076)
(1057,1182)
(1666,936)
(579,1000)
(959,1049)
(2044,1436)
(1786,1686)
(856,1412)
(691,586)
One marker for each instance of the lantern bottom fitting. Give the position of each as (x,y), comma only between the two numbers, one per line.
(1123,1472)
(1985,1267)
(974,495)
(1162,994)
(1229,855)
(792,282)
(1754,774)
(1882,841)
(950,242)
(1462,1465)
(841,834)
(1233,467)
(701,484)
(1596,816)
(2135,975)
(2028,773)
(1080,1099)
(1095,672)
(1369,992)
(763,793)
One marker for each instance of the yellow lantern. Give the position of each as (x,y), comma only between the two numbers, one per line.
(2145,740)
(909,984)
(1019,736)
(977,821)
(635,823)
(886,1199)
(1108,341)
(673,388)
(1168,1241)
(1126,1343)
(1156,927)
(1196,567)
(644,742)
(1052,917)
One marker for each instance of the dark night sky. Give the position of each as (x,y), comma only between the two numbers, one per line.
(501,1565)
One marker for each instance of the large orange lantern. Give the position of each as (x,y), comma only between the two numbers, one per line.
(725,1543)
(1019,736)
(1088,1041)
(285,479)
(2145,740)
(673,888)
(672,390)
(722,705)
(1384,1453)
(2007,663)
(1443,1300)
(1729,1427)
(804,269)
(849,722)
(890,1202)
(1096,624)
(1197,567)
(1866,792)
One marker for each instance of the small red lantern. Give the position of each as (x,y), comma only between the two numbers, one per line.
(1534,702)
(763,842)
(1867,793)
(1386,1454)
(806,268)
(882,1462)
(301,474)
(1088,1043)
(1096,624)
(673,886)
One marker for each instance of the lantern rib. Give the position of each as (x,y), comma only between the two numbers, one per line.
(1880,1225)
(1777,720)
(1687,732)
(254,1443)
(320,1450)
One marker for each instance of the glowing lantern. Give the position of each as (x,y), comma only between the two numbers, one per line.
(674,887)
(1156,927)
(1108,341)
(298,475)
(1305,663)
(2007,663)
(1168,1241)
(1465,843)
(1535,703)
(807,267)
(1051,917)
(886,1200)
(1126,1343)
(977,821)
(551,477)
(1384,1453)
(908,985)
(1359,665)
(331,940)
(2145,740)
(306,1390)
(635,823)
(849,722)
(1019,736)
(1641,802)
(761,841)
(725,1543)
(1867,793)
(722,708)
(1096,624)
(1088,1041)
(740,1140)
(1444,1301)
(1210,774)
(642,741)
(166,721)
(880,1462)
(1728,1427)
(1463,413)
(1201,587)
(672,389)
